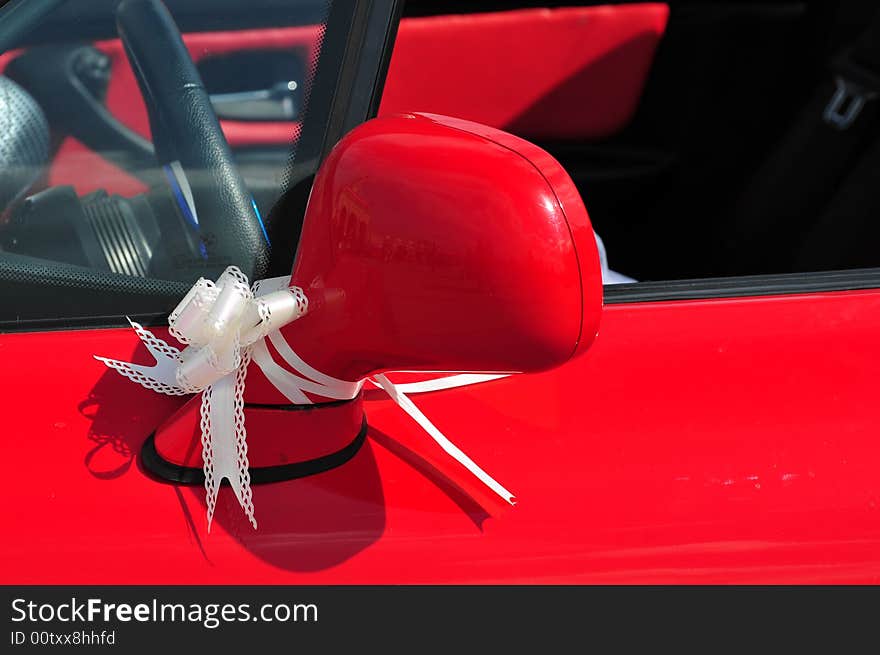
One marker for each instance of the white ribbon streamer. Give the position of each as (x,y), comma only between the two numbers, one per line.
(450,448)
(224,326)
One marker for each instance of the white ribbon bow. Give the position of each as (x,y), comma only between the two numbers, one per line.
(219,323)
(224,325)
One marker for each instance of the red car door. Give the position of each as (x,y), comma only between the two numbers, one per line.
(718,430)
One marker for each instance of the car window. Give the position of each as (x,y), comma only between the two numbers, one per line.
(132,162)
(707,141)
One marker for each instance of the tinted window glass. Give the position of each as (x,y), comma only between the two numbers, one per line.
(131,161)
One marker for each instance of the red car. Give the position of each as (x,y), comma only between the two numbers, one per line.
(713,422)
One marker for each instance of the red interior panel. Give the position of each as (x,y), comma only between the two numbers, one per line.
(570,73)
(124,98)
(87,171)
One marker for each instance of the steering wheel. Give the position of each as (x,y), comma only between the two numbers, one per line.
(186,130)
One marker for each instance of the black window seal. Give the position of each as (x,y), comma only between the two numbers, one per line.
(350,95)
(749,286)
(347,98)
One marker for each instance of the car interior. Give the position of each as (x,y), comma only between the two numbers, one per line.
(700,134)
(134,158)
(707,139)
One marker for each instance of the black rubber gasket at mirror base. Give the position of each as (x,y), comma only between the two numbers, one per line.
(161,468)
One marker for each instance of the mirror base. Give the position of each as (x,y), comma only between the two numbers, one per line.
(285,442)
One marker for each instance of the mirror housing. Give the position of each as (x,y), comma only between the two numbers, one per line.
(432,243)
(429,243)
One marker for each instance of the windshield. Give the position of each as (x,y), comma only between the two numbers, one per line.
(145,144)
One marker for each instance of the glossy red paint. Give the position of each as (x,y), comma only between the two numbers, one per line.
(706,441)
(402,274)
(569,73)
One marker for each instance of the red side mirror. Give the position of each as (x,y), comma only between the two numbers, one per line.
(429,243)
(439,244)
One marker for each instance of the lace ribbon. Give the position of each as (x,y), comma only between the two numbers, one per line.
(224,326)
